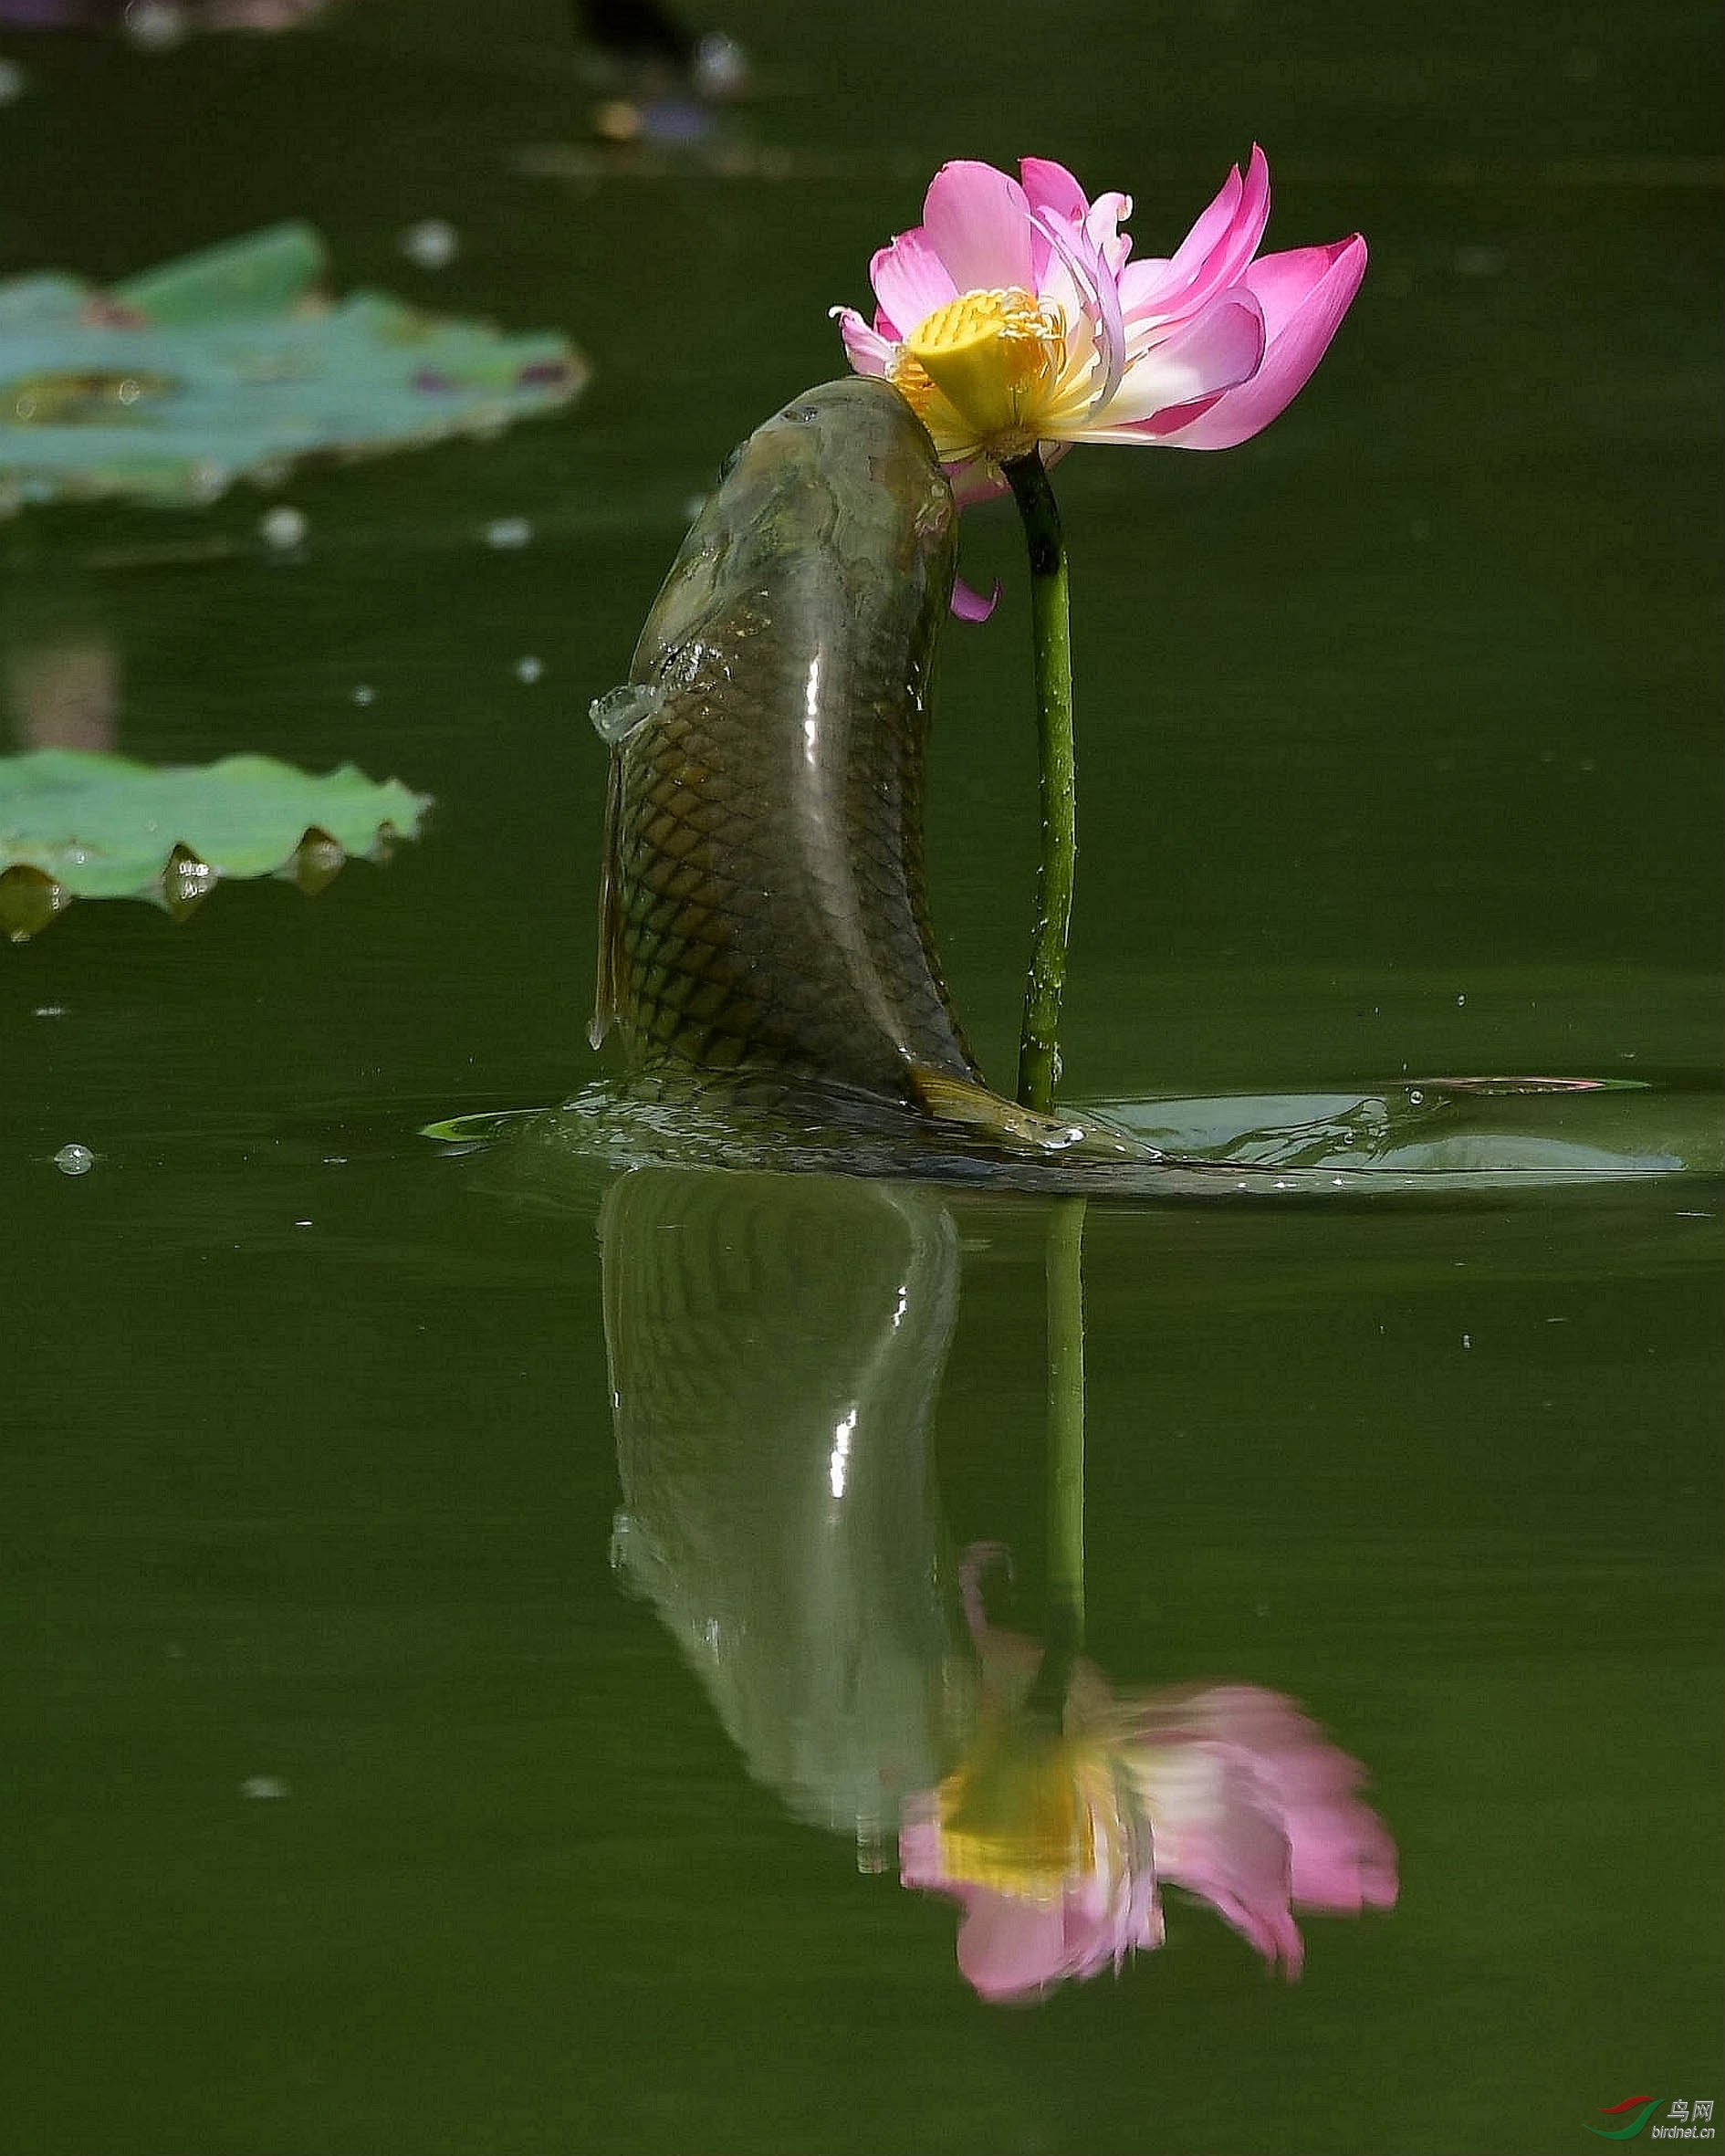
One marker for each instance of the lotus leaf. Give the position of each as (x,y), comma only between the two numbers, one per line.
(77,824)
(230,363)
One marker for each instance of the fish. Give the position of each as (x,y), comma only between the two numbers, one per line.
(763,904)
(774,1345)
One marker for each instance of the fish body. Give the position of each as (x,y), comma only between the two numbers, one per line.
(763,908)
(764,902)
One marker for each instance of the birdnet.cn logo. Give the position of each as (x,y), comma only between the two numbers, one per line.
(1689,2118)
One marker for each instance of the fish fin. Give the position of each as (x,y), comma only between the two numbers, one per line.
(610,911)
(965,1100)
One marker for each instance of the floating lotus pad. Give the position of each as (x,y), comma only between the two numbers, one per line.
(74,823)
(231,364)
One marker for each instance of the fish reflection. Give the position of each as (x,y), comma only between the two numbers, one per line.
(776,1345)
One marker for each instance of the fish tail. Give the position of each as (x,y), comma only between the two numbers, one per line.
(962,1100)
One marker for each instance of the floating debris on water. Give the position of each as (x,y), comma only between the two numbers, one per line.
(365,694)
(75,1160)
(529,669)
(507,532)
(263,1788)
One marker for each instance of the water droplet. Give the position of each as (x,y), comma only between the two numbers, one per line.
(364,694)
(1459,1001)
(529,669)
(284,527)
(315,862)
(1466,1339)
(620,711)
(430,243)
(186,883)
(75,1160)
(508,531)
(28,901)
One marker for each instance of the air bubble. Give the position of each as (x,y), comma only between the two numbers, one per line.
(721,68)
(284,526)
(431,243)
(155,24)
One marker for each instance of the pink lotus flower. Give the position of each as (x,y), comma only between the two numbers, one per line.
(1013,317)
(1054,1839)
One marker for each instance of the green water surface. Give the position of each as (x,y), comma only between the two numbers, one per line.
(356,1799)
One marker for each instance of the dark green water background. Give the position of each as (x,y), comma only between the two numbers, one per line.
(1399,755)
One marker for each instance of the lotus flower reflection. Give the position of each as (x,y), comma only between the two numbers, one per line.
(1013,317)
(1057,1830)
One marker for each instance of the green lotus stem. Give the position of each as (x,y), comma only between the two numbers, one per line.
(1066,1424)
(1050,628)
